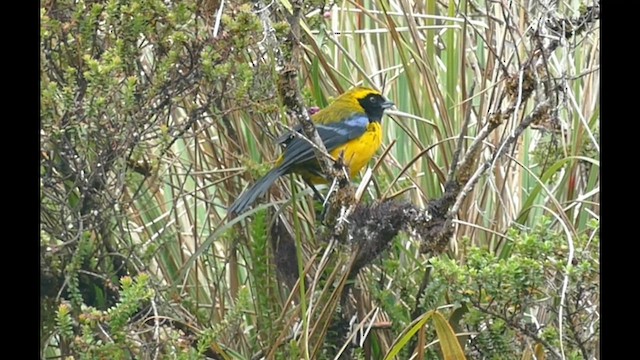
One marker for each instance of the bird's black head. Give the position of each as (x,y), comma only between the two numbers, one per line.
(374,104)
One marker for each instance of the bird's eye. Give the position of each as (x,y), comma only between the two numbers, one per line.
(372,99)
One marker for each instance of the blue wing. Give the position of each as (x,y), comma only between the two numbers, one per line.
(333,135)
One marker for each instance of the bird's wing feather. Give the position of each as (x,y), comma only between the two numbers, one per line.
(333,135)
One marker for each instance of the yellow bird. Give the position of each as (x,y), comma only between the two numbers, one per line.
(349,125)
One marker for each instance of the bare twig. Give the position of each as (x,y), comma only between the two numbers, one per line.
(156,329)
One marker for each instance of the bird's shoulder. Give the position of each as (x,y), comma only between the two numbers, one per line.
(355,121)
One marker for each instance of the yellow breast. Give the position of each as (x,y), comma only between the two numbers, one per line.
(358,152)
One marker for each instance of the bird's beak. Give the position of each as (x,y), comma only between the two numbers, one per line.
(388,104)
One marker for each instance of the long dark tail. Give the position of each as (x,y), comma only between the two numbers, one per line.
(258,189)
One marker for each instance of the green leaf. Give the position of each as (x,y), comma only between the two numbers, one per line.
(449,344)
(451,349)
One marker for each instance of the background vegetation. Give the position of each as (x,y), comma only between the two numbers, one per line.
(155,115)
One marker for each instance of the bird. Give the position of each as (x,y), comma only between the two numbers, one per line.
(349,127)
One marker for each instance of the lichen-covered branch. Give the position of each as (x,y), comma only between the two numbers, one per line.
(287,53)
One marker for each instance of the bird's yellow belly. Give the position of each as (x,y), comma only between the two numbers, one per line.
(358,152)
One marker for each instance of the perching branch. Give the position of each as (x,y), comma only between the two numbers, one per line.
(287,53)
